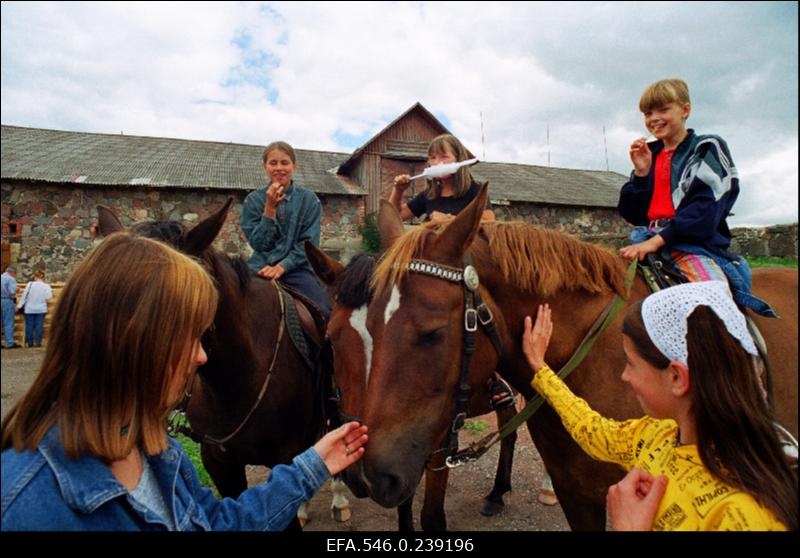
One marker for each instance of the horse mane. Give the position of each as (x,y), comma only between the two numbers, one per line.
(393,266)
(531,258)
(352,288)
(174,233)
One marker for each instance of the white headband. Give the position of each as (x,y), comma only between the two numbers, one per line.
(664,315)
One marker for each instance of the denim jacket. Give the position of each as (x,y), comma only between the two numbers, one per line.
(280,240)
(46,490)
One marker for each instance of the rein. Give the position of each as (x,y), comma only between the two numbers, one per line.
(477,449)
(205,438)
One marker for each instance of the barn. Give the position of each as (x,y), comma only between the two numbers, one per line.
(53,180)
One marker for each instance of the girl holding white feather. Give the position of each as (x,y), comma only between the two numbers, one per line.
(445,195)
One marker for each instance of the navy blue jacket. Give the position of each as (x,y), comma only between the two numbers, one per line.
(704,186)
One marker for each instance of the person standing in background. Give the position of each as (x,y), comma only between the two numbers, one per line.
(34,304)
(9,295)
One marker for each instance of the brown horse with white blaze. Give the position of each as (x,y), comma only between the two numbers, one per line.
(352,353)
(416,324)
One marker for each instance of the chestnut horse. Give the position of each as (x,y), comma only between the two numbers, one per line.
(416,324)
(352,347)
(255,401)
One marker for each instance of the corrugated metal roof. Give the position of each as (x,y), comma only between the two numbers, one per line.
(118,160)
(549,185)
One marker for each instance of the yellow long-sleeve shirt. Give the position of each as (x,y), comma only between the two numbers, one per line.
(694,499)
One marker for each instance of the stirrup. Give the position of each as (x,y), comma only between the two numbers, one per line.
(500,394)
(788,444)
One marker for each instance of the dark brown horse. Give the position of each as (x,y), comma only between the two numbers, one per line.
(416,324)
(352,350)
(255,401)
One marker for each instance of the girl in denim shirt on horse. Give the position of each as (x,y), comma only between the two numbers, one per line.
(277,220)
(86,448)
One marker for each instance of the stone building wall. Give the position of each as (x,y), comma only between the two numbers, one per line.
(56,223)
(599,225)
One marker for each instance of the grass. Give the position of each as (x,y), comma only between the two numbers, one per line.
(476,426)
(177,420)
(192,449)
(772,261)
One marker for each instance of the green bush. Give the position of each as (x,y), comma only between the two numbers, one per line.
(370,237)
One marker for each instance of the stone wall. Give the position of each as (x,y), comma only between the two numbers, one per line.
(776,241)
(56,223)
(592,224)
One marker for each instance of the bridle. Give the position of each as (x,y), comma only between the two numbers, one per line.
(475,312)
(200,437)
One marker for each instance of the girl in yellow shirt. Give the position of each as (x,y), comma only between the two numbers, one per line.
(707,441)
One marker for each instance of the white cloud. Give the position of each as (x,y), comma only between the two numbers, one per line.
(318,74)
(768,192)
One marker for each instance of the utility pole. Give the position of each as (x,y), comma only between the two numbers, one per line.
(605,145)
(548,145)
(483,144)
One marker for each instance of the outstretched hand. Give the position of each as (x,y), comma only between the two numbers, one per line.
(536,337)
(342,447)
(632,503)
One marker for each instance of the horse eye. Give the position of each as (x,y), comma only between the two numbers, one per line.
(430,338)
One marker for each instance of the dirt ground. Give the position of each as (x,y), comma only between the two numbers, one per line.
(467,486)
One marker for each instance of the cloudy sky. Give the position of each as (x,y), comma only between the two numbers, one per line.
(330,75)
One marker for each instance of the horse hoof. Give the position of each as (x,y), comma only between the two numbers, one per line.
(490,509)
(547,497)
(341,515)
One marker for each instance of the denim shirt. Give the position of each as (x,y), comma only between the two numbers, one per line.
(44,490)
(280,240)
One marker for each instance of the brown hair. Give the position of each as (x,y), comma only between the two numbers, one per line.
(38,274)
(123,328)
(463,178)
(662,92)
(280,146)
(736,438)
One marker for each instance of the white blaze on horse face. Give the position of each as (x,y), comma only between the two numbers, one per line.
(358,321)
(392,306)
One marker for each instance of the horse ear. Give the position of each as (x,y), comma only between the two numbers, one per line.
(461,231)
(326,268)
(390,225)
(204,233)
(107,221)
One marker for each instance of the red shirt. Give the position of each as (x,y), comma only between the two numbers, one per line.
(661,202)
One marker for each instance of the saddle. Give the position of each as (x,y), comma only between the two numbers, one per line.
(310,317)
(306,325)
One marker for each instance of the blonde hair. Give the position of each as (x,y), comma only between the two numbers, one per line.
(122,330)
(463,178)
(660,93)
